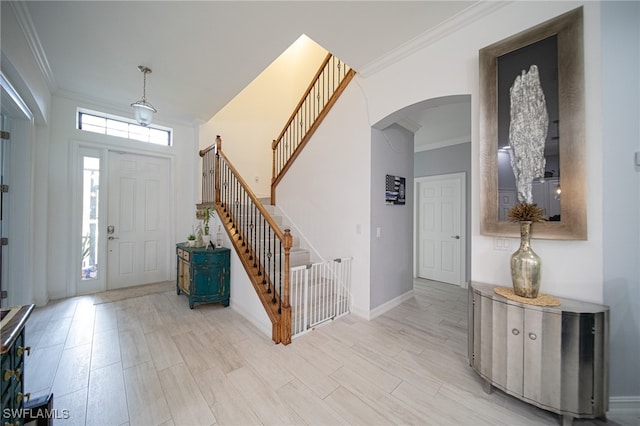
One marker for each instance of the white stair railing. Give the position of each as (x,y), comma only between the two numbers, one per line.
(319,292)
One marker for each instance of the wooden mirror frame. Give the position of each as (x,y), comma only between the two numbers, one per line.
(573,207)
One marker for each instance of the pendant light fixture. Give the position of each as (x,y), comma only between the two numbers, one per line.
(143,110)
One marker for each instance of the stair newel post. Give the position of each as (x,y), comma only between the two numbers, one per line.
(217,170)
(285,318)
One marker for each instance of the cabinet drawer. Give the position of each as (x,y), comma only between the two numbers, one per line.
(183,254)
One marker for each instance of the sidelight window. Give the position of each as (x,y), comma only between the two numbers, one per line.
(90,217)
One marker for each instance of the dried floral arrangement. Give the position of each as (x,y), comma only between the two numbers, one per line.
(526,212)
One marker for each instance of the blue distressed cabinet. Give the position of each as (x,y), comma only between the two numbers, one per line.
(203,274)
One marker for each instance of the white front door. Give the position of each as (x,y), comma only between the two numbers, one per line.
(138,220)
(440,241)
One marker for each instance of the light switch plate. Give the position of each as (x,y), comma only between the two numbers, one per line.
(503,244)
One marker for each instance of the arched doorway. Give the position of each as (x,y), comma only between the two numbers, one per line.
(441,129)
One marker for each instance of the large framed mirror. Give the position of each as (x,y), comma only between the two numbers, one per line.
(556,48)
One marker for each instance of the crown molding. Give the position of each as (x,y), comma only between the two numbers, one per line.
(460,20)
(31,35)
(442,144)
(17,100)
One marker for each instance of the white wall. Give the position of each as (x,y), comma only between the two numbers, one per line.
(63,134)
(255,117)
(450,66)
(327,191)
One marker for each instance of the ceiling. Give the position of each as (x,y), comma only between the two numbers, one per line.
(203,53)
(443,123)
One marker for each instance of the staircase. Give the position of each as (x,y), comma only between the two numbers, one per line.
(297,256)
(332,78)
(270,255)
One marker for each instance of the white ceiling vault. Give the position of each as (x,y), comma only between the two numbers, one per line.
(203,53)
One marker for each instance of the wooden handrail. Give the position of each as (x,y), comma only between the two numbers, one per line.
(217,145)
(276,178)
(302,99)
(265,256)
(257,202)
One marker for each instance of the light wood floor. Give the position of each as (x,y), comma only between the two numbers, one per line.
(150,360)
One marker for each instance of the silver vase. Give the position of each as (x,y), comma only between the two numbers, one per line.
(525,266)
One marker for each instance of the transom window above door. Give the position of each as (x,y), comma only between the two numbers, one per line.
(107,124)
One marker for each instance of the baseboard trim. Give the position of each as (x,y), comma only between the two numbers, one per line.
(385,307)
(629,405)
(364,314)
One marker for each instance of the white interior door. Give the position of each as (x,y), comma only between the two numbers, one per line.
(138,220)
(441,221)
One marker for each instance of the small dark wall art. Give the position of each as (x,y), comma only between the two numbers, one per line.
(395,190)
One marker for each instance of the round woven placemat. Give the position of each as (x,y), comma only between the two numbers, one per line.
(541,300)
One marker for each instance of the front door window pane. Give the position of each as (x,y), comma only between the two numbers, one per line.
(90,204)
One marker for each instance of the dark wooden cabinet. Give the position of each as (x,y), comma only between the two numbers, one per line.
(13,352)
(203,274)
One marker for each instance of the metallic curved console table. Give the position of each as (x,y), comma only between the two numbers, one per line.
(555,358)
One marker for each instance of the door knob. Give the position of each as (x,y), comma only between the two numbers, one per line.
(457,237)
(113,238)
